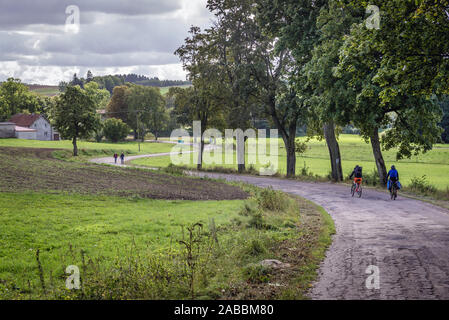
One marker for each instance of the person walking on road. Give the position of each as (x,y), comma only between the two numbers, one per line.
(122,157)
(115,158)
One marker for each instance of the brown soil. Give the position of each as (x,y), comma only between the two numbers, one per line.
(28,169)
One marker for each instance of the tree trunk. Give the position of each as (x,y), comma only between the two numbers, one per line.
(291,152)
(288,137)
(135,134)
(75,147)
(334,151)
(241,166)
(377,152)
(200,155)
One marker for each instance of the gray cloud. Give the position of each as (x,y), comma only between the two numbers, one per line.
(15,13)
(115,36)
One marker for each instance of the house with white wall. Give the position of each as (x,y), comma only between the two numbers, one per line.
(33,127)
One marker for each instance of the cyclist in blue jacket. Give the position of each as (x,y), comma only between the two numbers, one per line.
(393,174)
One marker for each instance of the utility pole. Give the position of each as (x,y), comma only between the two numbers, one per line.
(137,128)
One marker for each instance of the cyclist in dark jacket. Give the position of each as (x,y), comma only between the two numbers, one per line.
(357,173)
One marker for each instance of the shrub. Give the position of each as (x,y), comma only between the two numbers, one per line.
(255,248)
(99,134)
(115,130)
(256,273)
(173,170)
(256,221)
(371,178)
(272,200)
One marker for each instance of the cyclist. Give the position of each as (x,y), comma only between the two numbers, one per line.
(357,174)
(392,177)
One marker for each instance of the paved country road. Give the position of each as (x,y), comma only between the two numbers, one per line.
(408,240)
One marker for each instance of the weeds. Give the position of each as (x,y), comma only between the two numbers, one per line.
(272,200)
(256,273)
(422,185)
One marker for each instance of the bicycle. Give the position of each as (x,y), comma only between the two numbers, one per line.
(357,188)
(393,190)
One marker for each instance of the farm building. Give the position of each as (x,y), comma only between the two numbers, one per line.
(28,126)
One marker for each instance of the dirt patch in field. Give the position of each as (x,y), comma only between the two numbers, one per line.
(28,169)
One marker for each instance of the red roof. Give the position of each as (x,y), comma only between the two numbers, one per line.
(24,120)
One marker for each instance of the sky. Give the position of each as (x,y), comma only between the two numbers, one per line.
(41,42)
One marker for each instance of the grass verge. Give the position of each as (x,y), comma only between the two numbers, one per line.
(131,248)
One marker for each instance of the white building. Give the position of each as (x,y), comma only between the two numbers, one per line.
(33,127)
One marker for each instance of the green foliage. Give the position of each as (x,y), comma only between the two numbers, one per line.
(15,97)
(273,200)
(146,109)
(421,185)
(115,130)
(300,147)
(255,248)
(117,107)
(256,273)
(74,115)
(101,97)
(445,121)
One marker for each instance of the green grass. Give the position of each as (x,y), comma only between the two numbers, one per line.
(109,229)
(434,164)
(102,226)
(48,91)
(164,90)
(115,226)
(128,147)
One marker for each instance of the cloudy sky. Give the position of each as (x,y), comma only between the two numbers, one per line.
(114,36)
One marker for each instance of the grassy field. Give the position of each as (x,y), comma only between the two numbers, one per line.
(43,90)
(51,91)
(164,90)
(127,147)
(354,150)
(122,227)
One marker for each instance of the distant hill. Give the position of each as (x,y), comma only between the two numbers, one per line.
(109,82)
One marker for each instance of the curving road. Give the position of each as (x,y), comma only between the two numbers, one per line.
(408,240)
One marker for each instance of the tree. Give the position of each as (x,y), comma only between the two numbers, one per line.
(412,115)
(77,81)
(158,118)
(414,42)
(227,36)
(15,97)
(263,65)
(101,97)
(115,129)
(293,23)
(445,121)
(74,115)
(204,101)
(145,108)
(332,99)
(89,77)
(117,107)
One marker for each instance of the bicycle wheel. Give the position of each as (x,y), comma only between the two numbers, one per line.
(353,189)
(360,192)
(392,192)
